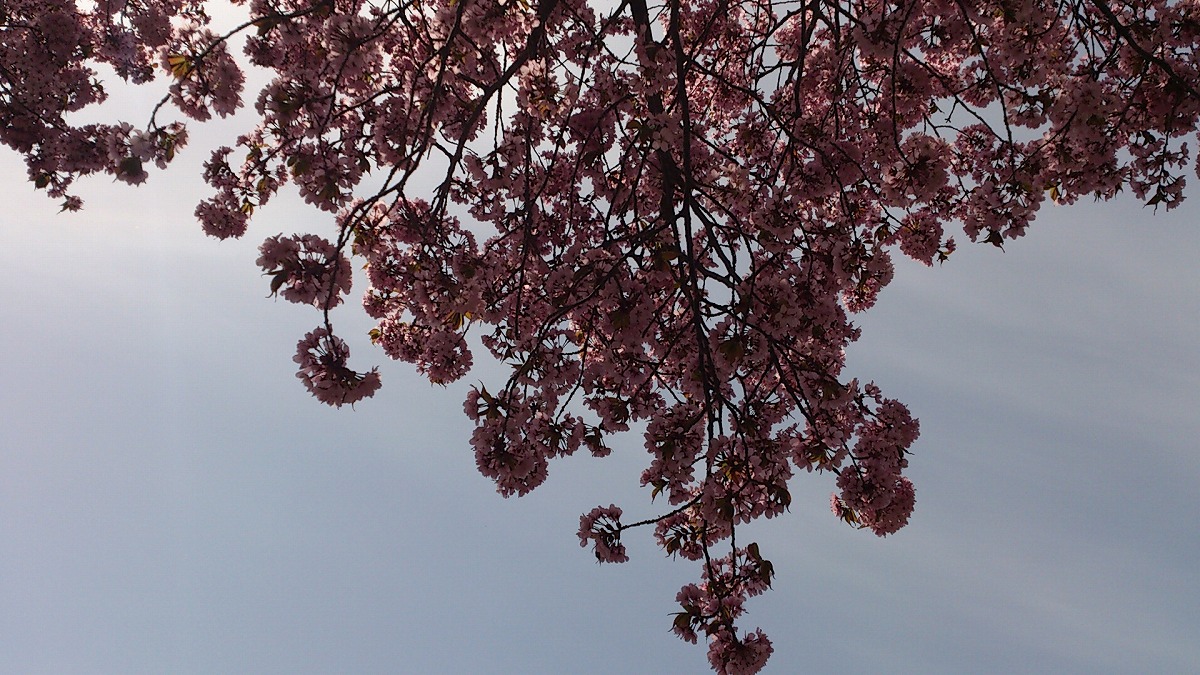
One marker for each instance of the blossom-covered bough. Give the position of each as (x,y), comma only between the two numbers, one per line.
(658,215)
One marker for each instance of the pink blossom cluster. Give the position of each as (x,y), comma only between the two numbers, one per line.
(322,358)
(658,217)
(873,491)
(712,606)
(306,269)
(602,527)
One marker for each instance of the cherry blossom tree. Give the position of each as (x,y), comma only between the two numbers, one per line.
(660,217)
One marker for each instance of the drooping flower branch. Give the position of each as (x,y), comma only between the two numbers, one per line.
(659,215)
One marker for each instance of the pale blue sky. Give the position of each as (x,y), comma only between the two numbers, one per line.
(172,500)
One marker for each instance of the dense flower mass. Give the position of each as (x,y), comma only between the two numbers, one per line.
(602,527)
(659,216)
(306,269)
(322,358)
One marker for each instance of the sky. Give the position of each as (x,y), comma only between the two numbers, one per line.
(172,499)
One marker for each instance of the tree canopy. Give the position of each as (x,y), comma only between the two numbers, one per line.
(661,217)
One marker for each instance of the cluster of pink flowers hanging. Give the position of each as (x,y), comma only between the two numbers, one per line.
(661,217)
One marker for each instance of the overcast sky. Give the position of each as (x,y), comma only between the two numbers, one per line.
(172,500)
